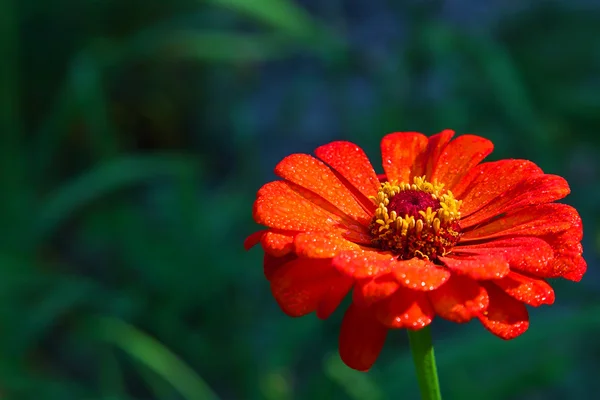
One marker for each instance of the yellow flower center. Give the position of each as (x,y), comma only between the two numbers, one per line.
(415,220)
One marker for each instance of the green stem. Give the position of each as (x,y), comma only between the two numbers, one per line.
(422,352)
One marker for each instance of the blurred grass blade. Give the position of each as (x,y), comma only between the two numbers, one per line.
(93,104)
(356,384)
(13,183)
(9,72)
(212,46)
(110,375)
(281,14)
(62,298)
(52,133)
(508,87)
(160,388)
(83,92)
(103,180)
(153,355)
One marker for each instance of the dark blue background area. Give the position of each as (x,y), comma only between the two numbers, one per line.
(135,134)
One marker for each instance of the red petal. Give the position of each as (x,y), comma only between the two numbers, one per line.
(459,157)
(334,296)
(576,270)
(419,274)
(505,317)
(399,151)
(272,263)
(280,205)
(530,191)
(405,309)
(436,144)
(363,264)
(484,183)
(526,253)
(534,292)
(312,174)
(322,245)
(567,261)
(278,244)
(559,225)
(361,338)
(415,273)
(253,239)
(362,236)
(478,266)
(369,291)
(459,300)
(301,285)
(535,221)
(351,162)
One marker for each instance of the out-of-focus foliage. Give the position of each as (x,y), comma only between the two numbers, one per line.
(134,134)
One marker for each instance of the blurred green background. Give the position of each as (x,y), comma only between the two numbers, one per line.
(134,135)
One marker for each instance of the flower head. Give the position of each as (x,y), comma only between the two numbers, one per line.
(439,233)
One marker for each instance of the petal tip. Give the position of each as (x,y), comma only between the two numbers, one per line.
(361,338)
(253,239)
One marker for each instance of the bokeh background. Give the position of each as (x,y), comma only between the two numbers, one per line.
(134,135)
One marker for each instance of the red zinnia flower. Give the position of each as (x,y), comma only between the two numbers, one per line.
(440,233)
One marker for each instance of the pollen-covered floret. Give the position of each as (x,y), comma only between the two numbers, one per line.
(415,220)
